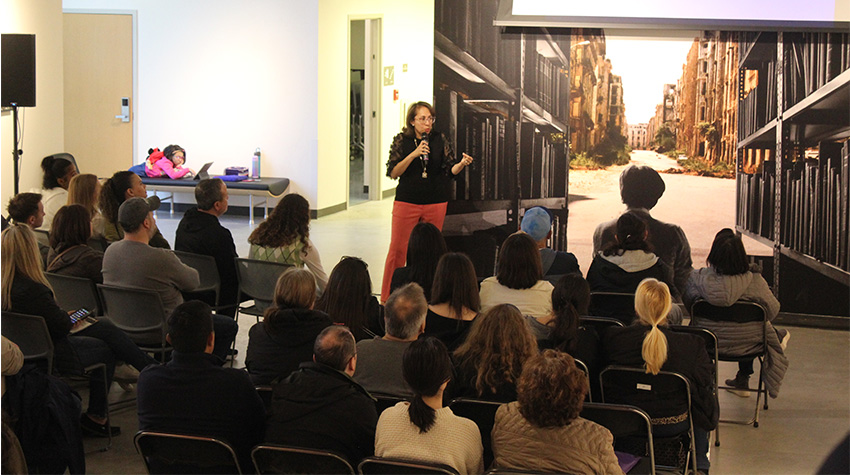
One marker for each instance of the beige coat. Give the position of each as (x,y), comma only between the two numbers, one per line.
(581,447)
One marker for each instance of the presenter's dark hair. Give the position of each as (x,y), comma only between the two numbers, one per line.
(208,192)
(519,262)
(54,169)
(425,367)
(727,254)
(408,129)
(189,326)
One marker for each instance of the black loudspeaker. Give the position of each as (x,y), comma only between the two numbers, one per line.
(18,70)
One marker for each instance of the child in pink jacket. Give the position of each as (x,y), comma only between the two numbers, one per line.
(168,162)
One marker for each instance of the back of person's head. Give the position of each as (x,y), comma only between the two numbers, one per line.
(631,235)
(652,304)
(114,192)
(22,206)
(348,293)
(55,169)
(425,366)
(168,152)
(570,301)
(519,264)
(84,190)
(405,311)
(189,327)
(536,222)
(71,227)
(288,222)
(335,347)
(296,288)
(455,283)
(640,186)
(551,389)
(424,250)
(20,257)
(727,255)
(498,344)
(208,193)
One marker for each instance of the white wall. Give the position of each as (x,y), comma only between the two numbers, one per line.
(407,37)
(221,78)
(43,124)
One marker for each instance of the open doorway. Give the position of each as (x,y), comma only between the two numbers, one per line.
(363,167)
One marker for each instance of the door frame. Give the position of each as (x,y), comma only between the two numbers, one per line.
(134,14)
(371,106)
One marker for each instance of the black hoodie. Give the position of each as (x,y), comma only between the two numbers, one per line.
(320,407)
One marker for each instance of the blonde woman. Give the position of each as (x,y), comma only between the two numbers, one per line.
(26,290)
(85,190)
(649,344)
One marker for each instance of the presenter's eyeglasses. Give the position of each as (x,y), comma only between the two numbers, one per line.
(427,120)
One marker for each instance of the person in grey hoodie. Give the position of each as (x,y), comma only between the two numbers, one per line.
(727,279)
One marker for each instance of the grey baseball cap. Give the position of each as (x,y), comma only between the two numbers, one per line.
(133,211)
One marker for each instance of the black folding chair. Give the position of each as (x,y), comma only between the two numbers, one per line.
(286,459)
(613,304)
(74,293)
(165,453)
(624,421)
(257,279)
(265,393)
(208,273)
(710,340)
(633,386)
(600,324)
(483,413)
(389,466)
(744,313)
(30,333)
(140,314)
(583,367)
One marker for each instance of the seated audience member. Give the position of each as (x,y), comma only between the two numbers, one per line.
(200,232)
(454,300)
(131,262)
(489,362)
(284,339)
(562,330)
(519,279)
(650,345)
(727,279)
(424,249)
(285,238)
(122,186)
(193,395)
(422,429)
(27,209)
(85,190)
(89,341)
(622,264)
(349,301)
(379,359)
(640,189)
(537,223)
(70,253)
(58,173)
(320,406)
(542,432)
(168,163)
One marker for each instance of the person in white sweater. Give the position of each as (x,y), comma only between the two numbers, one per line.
(518,279)
(422,429)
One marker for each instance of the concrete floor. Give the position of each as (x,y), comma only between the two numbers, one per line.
(801,427)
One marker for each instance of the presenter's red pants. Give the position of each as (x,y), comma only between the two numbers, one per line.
(405,217)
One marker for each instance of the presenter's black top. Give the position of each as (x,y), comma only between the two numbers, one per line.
(412,187)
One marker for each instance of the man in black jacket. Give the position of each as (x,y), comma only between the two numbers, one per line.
(320,406)
(200,232)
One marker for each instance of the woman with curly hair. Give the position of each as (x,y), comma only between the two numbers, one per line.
(349,301)
(489,362)
(542,432)
(117,189)
(285,238)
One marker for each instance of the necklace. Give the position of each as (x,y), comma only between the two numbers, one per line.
(423,160)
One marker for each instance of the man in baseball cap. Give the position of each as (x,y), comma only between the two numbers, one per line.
(537,223)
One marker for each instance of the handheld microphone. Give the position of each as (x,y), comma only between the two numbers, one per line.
(425,155)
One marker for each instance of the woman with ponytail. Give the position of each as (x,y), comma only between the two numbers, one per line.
(649,344)
(58,173)
(122,186)
(423,429)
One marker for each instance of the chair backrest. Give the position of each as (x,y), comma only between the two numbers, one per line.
(483,413)
(287,459)
(708,337)
(175,453)
(384,402)
(138,312)
(42,236)
(741,311)
(98,243)
(207,271)
(622,421)
(613,304)
(633,386)
(388,466)
(265,393)
(600,324)
(30,333)
(258,278)
(74,293)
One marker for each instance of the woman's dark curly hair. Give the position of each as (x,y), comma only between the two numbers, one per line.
(551,389)
(289,221)
(113,194)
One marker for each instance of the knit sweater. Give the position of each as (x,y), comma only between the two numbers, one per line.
(452,440)
(535,301)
